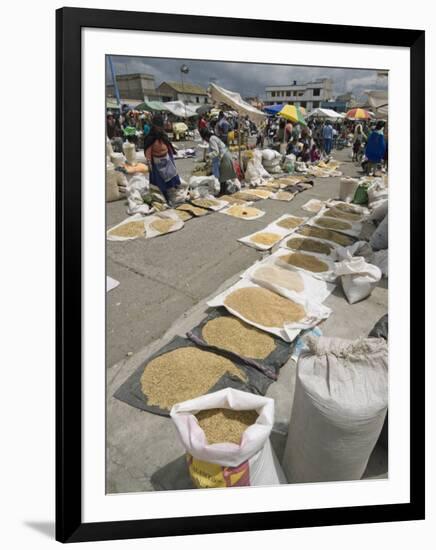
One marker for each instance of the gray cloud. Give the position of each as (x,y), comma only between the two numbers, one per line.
(249,79)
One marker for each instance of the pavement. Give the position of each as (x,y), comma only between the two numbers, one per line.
(165,283)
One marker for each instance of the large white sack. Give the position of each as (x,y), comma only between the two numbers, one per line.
(340,403)
(250,463)
(347,189)
(379,239)
(269,155)
(379,209)
(358,278)
(112,192)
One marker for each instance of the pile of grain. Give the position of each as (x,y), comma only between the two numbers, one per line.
(305,261)
(345,207)
(240,211)
(183,374)
(265,238)
(284,196)
(163,226)
(225,425)
(309,245)
(129,229)
(290,223)
(232,334)
(311,231)
(193,209)
(206,203)
(282,277)
(330,223)
(264,307)
(245,196)
(184,216)
(232,199)
(335,213)
(261,193)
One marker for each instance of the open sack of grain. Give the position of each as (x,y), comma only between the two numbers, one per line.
(290,283)
(162,223)
(316,265)
(269,310)
(340,403)
(358,277)
(179,371)
(226,438)
(130,228)
(223,332)
(325,235)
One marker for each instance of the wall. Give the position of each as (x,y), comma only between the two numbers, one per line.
(27,307)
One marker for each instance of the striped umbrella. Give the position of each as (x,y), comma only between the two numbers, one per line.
(292,113)
(358,114)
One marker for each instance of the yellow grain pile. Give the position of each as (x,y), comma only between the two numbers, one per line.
(264,307)
(309,245)
(184,216)
(305,261)
(163,226)
(345,207)
(330,223)
(206,203)
(183,374)
(232,334)
(265,238)
(261,193)
(245,196)
(290,223)
(232,199)
(240,211)
(284,196)
(195,210)
(291,280)
(225,425)
(335,213)
(129,229)
(319,233)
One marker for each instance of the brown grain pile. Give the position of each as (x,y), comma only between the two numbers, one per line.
(193,209)
(225,425)
(305,261)
(330,223)
(290,280)
(129,229)
(265,238)
(232,200)
(309,245)
(311,231)
(184,216)
(290,223)
(232,334)
(345,207)
(261,193)
(335,213)
(245,196)
(206,203)
(163,226)
(284,196)
(264,307)
(240,211)
(182,374)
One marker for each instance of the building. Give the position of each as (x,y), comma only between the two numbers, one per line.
(335,105)
(140,86)
(308,95)
(182,91)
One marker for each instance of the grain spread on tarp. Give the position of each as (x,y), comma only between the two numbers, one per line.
(330,223)
(240,211)
(291,280)
(264,307)
(194,209)
(309,245)
(225,425)
(232,200)
(305,261)
(318,232)
(290,223)
(266,238)
(206,203)
(262,193)
(129,229)
(245,196)
(183,374)
(335,213)
(163,226)
(232,334)
(184,216)
(284,195)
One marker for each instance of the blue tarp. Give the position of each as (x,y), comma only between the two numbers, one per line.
(273,109)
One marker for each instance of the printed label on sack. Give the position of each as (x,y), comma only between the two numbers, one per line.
(205,474)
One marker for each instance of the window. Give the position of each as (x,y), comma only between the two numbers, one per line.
(288,93)
(315,104)
(205,99)
(197,99)
(273,94)
(303,104)
(317,91)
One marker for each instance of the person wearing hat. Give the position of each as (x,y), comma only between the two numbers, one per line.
(159,153)
(222,163)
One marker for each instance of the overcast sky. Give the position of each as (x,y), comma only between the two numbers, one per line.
(249,79)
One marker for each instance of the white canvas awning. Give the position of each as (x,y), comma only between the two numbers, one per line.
(235,101)
(178,108)
(324,113)
(378,101)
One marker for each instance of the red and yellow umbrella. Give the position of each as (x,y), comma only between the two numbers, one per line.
(358,114)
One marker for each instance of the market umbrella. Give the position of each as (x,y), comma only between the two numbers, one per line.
(292,113)
(358,114)
(273,109)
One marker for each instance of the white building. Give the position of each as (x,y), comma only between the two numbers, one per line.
(308,95)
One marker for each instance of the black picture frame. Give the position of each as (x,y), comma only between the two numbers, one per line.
(69,525)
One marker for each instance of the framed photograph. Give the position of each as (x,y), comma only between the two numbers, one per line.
(240,264)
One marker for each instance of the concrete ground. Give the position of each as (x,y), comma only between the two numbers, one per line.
(164,285)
